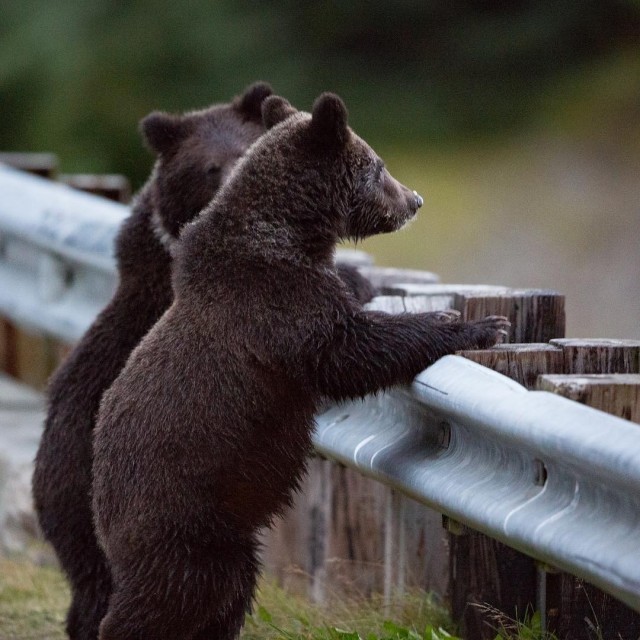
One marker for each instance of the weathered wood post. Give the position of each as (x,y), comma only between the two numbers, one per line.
(484,572)
(520,362)
(110,185)
(605,375)
(44,165)
(600,355)
(569,601)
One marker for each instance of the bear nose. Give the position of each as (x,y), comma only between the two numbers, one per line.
(419,200)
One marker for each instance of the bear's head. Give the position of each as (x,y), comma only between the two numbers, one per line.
(339,173)
(196,153)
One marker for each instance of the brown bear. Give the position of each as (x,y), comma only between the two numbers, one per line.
(196,152)
(203,437)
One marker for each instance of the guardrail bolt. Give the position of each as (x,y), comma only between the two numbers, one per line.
(540,473)
(454,527)
(445,435)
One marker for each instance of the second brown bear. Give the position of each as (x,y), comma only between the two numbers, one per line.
(196,153)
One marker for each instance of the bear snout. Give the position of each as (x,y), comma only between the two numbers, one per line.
(413,201)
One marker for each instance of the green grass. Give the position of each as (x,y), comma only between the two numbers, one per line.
(506,628)
(34,598)
(280,615)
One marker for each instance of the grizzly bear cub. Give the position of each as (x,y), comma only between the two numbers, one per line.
(203,437)
(196,153)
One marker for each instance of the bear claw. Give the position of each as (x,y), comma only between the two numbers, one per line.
(447,315)
(495,330)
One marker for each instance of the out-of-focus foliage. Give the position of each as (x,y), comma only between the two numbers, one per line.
(75,77)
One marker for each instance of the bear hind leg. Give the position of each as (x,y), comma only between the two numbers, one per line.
(131,622)
(198,596)
(227,625)
(89,603)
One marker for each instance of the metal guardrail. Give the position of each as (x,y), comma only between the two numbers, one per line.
(56,253)
(545,475)
(548,476)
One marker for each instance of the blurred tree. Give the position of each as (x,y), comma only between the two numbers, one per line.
(76,77)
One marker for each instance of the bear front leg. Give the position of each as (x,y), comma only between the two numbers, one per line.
(373,350)
(359,287)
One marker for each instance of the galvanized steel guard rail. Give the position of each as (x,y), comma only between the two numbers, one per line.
(545,475)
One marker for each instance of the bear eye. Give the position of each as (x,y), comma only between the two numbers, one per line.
(214,170)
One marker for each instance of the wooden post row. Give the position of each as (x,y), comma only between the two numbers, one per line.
(111,186)
(484,571)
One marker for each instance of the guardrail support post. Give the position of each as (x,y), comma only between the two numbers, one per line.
(541,596)
(388,548)
(395,547)
(610,382)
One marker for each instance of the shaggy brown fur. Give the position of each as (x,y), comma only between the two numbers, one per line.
(204,435)
(196,153)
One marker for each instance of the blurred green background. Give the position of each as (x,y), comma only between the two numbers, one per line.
(519,122)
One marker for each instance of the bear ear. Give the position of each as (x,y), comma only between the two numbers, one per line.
(275,109)
(250,102)
(162,131)
(329,120)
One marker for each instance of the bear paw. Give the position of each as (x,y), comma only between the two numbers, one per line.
(490,331)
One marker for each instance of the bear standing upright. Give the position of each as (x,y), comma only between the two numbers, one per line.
(196,153)
(203,437)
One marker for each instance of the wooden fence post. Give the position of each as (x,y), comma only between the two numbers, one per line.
(384,278)
(479,562)
(39,164)
(111,186)
(600,355)
(603,374)
(8,347)
(536,315)
(486,575)
(520,362)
